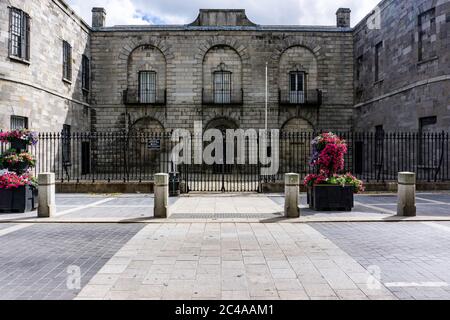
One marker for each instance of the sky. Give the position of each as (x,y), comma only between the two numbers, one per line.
(275,12)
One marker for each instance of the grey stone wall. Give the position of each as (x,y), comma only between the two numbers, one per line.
(409,88)
(191,53)
(36,90)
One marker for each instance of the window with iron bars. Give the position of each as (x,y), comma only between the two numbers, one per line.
(222,87)
(297,87)
(147,86)
(85,77)
(18,123)
(19,34)
(67,61)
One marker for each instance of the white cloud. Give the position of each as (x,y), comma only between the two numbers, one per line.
(118,12)
(304,12)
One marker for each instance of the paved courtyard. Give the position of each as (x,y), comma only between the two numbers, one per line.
(225,247)
(212,207)
(235,261)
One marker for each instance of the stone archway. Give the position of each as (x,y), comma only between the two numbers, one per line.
(221,123)
(295,145)
(148,147)
(297,124)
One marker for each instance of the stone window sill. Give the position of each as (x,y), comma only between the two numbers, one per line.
(67,81)
(427,60)
(20,60)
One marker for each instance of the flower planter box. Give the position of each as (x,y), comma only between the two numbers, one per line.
(18,200)
(331,198)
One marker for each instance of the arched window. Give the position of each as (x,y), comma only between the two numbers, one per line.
(147,87)
(222,87)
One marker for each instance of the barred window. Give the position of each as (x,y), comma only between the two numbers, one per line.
(67,61)
(85,73)
(222,87)
(296,87)
(427,35)
(18,123)
(147,87)
(19,34)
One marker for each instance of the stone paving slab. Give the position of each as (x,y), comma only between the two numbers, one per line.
(413,260)
(233,207)
(35,261)
(231,261)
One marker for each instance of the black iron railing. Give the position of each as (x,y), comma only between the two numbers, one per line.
(298,98)
(223,97)
(117,156)
(134,97)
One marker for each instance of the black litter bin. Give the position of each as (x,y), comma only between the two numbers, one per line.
(174,184)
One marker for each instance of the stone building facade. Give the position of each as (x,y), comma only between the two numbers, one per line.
(402,67)
(33,92)
(213,71)
(159,78)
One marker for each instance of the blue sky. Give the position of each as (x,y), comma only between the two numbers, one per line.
(305,12)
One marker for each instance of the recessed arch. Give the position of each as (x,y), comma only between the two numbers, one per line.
(146,62)
(221,123)
(147,124)
(297,124)
(222,73)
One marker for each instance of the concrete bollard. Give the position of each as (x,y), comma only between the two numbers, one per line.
(406,205)
(161,208)
(46,194)
(291,195)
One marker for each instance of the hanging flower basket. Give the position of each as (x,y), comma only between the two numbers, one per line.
(17,162)
(19,139)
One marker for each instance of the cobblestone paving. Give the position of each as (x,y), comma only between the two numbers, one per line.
(413,257)
(34,261)
(231,261)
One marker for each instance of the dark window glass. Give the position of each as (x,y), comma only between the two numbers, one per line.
(66,144)
(379,145)
(18,123)
(67,61)
(19,34)
(426,125)
(86,73)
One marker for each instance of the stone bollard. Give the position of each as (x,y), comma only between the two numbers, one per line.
(406,205)
(161,207)
(291,194)
(46,194)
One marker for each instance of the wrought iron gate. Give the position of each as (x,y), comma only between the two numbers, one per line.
(221,178)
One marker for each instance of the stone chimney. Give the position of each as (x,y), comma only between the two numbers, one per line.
(343,18)
(98,17)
